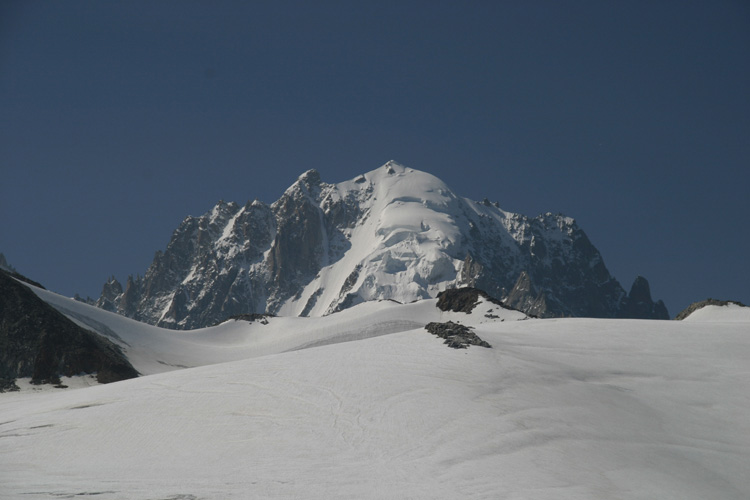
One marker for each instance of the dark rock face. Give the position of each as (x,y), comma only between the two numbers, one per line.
(205,275)
(110,292)
(298,250)
(456,336)
(703,303)
(525,297)
(608,300)
(39,342)
(464,299)
(238,260)
(547,268)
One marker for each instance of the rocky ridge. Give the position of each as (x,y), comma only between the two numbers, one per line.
(39,342)
(391,234)
(465,300)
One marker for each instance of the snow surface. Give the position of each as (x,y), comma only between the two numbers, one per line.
(403,245)
(729,312)
(557,409)
(155,350)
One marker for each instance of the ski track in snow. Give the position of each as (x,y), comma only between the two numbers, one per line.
(364,405)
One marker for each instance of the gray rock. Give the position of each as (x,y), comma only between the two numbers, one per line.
(456,335)
(465,299)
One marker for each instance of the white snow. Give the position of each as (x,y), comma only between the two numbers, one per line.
(402,248)
(341,407)
(730,312)
(155,350)
(412,242)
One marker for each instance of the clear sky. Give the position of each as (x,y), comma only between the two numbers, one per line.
(120,118)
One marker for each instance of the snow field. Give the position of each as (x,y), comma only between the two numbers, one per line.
(729,312)
(155,350)
(574,408)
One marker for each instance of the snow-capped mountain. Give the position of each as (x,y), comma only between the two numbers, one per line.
(392,233)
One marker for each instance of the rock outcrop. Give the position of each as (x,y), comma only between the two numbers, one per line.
(456,335)
(525,297)
(465,299)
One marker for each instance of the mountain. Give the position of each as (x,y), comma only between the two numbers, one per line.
(39,342)
(393,233)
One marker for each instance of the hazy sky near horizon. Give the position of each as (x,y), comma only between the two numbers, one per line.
(120,118)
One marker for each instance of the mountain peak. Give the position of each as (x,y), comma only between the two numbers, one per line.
(306,185)
(393,233)
(4,264)
(640,290)
(393,167)
(310,178)
(639,304)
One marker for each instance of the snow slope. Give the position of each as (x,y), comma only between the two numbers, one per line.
(730,312)
(557,409)
(152,350)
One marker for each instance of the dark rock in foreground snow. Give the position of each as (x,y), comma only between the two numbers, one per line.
(456,336)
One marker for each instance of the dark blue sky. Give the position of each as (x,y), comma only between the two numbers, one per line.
(118,119)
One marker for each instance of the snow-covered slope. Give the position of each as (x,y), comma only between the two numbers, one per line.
(557,409)
(153,349)
(730,312)
(394,233)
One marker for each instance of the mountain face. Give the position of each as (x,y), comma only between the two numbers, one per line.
(393,233)
(38,341)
